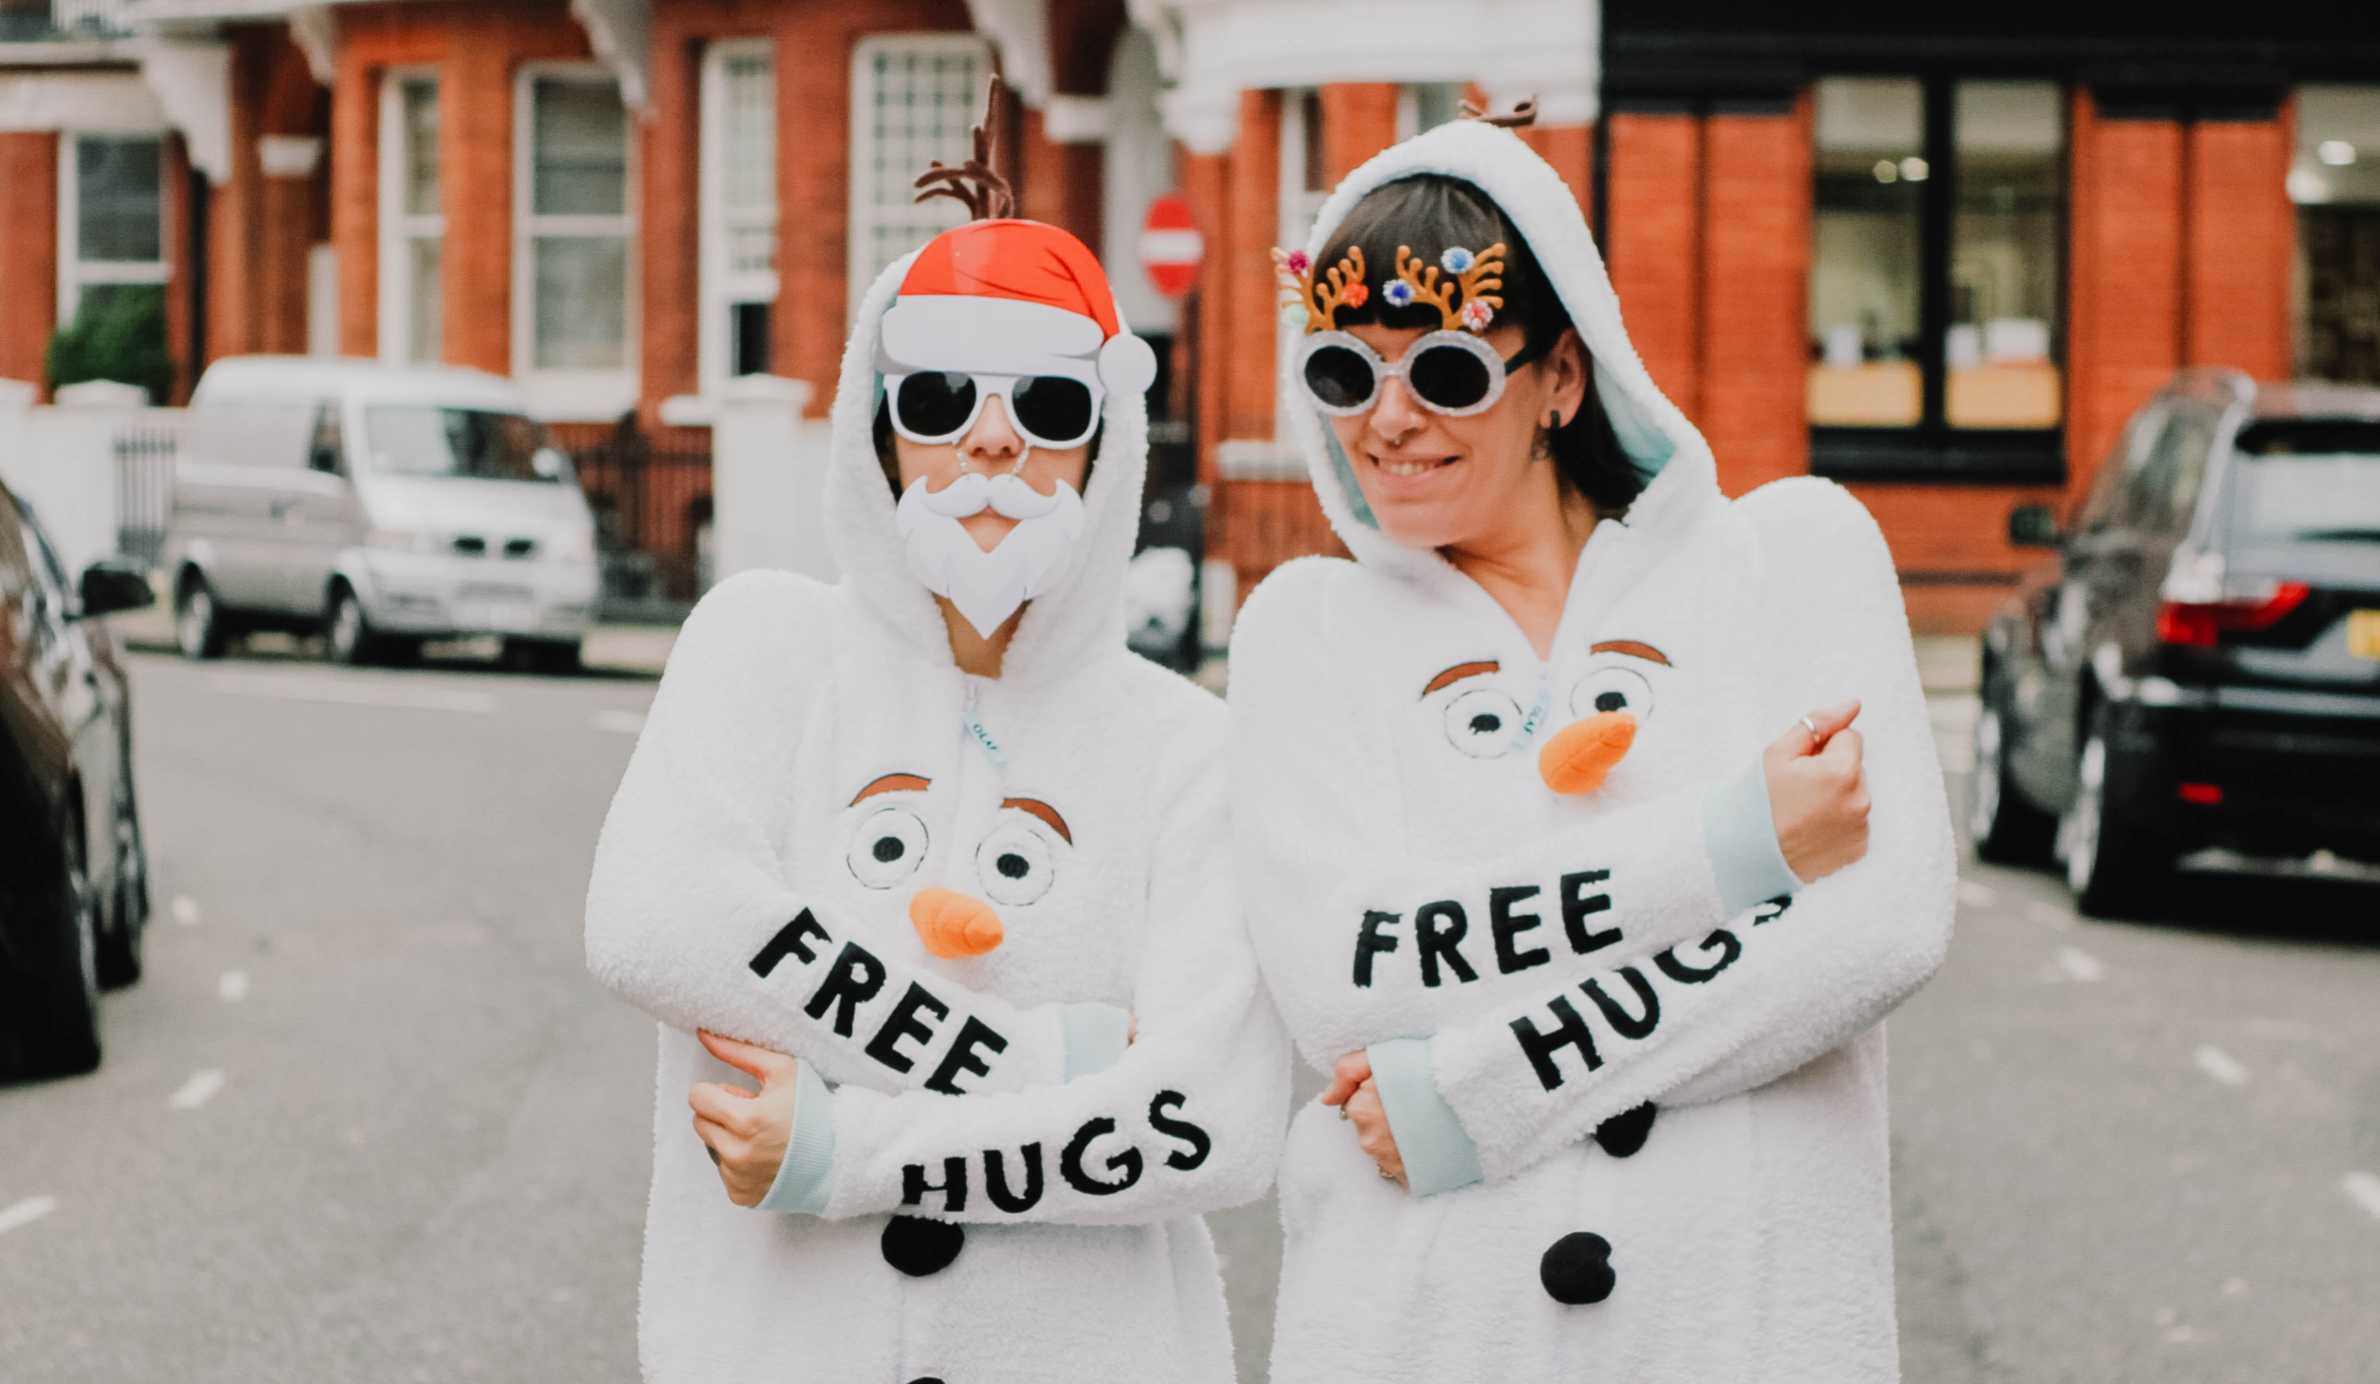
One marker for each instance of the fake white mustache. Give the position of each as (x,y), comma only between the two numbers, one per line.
(987,587)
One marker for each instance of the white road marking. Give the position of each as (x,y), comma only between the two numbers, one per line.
(2080,965)
(232,986)
(2220,1065)
(26,1212)
(2364,1189)
(421,697)
(185,910)
(1975,895)
(625,722)
(197,1091)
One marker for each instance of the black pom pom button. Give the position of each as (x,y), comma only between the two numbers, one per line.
(1625,1133)
(1576,1269)
(919,1247)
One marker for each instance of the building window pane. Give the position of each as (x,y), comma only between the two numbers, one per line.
(582,302)
(2335,180)
(581,152)
(2001,349)
(1867,234)
(117,199)
(425,299)
(750,120)
(418,101)
(915,100)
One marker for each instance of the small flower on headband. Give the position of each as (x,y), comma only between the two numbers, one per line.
(1398,293)
(1296,315)
(1297,262)
(1477,314)
(1456,259)
(1356,295)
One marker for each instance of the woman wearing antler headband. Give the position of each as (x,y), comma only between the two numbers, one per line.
(1553,835)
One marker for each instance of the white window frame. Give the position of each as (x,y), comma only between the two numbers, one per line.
(723,287)
(76,273)
(568,395)
(397,228)
(865,217)
(1299,204)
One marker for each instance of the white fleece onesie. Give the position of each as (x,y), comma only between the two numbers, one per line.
(812,759)
(1524,967)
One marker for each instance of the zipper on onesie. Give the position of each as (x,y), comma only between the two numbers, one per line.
(973,721)
(1531,723)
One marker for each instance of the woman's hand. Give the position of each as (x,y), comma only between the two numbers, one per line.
(746,1132)
(1818,793)
(1358,1098)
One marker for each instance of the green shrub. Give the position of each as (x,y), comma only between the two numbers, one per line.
(119,334)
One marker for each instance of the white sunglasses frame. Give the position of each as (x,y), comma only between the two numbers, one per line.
(1003,388)
(1383,371)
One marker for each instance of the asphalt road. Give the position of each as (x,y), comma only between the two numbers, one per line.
(367,1118)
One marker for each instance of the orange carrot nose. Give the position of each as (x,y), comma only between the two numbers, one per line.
(952,924)
(1577,760)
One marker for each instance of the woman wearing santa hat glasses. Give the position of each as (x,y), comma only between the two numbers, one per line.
(1555,840)
(940,866)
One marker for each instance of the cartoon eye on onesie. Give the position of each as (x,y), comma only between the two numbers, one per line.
(1612,701)
(1481,721)
(891,842)
(1017,863)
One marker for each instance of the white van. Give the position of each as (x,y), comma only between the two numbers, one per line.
(380,505)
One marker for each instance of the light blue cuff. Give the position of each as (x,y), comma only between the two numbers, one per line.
(1439,1156)
(807,1176)
(1741,838)
(1096,1035)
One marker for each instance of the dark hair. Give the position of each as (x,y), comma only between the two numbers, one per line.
(1430,213)
(889,459)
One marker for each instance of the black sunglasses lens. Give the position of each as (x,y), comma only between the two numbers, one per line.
(1053,408)
(1448,377)
(1339,378)
(934,404)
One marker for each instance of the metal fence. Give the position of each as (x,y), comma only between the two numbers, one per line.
(65,19)
(144,490)
(651,494)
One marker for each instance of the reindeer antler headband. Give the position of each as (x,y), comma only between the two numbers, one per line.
(978,182)
(1461,286)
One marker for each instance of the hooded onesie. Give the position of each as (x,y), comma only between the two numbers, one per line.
(988,1179)
(1634,1068)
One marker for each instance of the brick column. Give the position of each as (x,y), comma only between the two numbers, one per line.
(1754,302)
(1240,360)
(28,253)
(2240,236)
(1359,119)
(181,283)
(1205,183)
(354,156)
(813,211)
(475,187)
(2124,294)
(1061,182)
(669,246)
(235,211)
(1571,150)
(1654,187)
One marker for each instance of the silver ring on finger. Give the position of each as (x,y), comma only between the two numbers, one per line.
(1813,730)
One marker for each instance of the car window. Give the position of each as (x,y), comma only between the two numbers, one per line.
(2307,480)
(327,451)
(2130,451)
(2161,492)
(16,573)
(427,440)
(278,433)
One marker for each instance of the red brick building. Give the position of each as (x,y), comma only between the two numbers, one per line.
(1939,260)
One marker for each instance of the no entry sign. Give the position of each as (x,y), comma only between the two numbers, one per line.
(1170,246)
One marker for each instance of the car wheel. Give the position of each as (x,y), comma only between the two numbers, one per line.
(2006,829)
(349,635)
(2115,868)
(542,655)
(58,1023)
(119,945)
(198,624)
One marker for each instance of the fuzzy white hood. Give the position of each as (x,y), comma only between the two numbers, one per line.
(1081,615)
(1682,478)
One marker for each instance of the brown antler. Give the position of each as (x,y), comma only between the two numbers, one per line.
(1484,276)
(1423,280)
(977,183)
(1346,287)
(1522,115)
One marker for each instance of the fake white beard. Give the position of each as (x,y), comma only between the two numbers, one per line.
(988,587)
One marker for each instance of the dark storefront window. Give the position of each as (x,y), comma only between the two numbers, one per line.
(1935,278)
(2335,180)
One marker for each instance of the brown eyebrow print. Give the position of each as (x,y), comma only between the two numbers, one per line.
(894,783)
(1632,648)
(1048,814)
(1459,672)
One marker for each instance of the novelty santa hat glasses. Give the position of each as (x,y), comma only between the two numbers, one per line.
(1013,310)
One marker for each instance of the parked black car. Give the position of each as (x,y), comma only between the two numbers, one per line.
(2200,664)
(74,891)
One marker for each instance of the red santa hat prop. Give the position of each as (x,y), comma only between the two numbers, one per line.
(1012,297)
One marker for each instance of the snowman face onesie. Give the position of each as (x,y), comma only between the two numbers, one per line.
(984,1183)
(1536,975)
